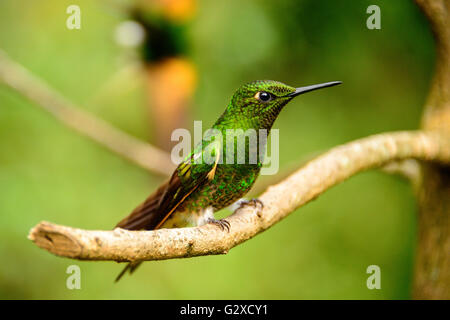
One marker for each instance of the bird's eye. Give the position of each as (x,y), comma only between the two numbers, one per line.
(263,96)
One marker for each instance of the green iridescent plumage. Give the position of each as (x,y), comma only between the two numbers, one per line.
(233,180)
(213,177)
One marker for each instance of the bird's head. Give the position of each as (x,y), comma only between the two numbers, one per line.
(261,101)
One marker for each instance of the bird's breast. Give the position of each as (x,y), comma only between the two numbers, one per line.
(230,183)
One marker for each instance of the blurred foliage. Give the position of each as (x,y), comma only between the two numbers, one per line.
(48,172)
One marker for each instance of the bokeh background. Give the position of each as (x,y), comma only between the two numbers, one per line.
(321,251)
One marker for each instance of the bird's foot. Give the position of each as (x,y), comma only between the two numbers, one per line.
(222,223)
(256,203)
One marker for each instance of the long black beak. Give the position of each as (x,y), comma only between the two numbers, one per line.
(313,87)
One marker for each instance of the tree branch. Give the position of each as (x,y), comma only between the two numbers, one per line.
(36,90)
(432,260)
(279,201)
(408,169)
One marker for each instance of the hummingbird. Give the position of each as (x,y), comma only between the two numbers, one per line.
(197,189)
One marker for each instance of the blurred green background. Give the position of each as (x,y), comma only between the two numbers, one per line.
(48,172)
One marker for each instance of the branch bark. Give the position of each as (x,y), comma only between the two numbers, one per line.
(432,265)
(36,90)
(280,200)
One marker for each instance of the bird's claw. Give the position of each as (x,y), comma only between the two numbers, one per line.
(256,203)
(222,224)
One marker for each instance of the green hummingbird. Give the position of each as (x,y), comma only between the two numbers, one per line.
(198,188)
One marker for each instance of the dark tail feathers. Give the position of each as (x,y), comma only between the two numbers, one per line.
(131,267)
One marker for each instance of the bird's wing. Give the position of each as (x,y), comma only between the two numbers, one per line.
(158,207)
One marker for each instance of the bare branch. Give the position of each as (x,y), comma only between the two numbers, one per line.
(279,201)
(432,258)
(437,108)
(408,169)
(36,90)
